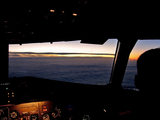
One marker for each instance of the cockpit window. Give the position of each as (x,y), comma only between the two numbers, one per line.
(131,70)
(63,61)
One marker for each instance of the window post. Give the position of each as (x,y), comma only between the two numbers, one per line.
(4,49)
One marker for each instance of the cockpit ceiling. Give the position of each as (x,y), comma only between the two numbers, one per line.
(76,20)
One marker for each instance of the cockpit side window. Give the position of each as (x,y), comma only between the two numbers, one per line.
(131,70)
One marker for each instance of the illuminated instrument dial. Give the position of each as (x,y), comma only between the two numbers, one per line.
(56,113)
(46,117)
(13,114)
(34,117)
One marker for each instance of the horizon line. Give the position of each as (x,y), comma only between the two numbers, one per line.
(54,54)
(62,53)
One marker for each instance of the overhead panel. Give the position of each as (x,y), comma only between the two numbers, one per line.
(89,21)
(57,22)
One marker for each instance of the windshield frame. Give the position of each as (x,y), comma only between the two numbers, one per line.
(124,48)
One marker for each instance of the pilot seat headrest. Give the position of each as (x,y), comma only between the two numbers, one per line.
(148,69)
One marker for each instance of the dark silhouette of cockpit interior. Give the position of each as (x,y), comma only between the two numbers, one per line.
(91,22)
(147,80)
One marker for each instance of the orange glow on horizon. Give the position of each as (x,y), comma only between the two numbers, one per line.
(84,55)
(135,55)
(60,55)
(133,58)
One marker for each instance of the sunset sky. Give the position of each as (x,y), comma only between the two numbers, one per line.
(77,47)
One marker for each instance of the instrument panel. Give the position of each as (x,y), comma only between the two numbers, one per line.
(73,101)
(44,110)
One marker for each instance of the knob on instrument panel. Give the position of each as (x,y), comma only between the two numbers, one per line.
(13,114)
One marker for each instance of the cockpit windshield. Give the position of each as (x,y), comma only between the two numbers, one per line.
(73,61)
(63,61)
